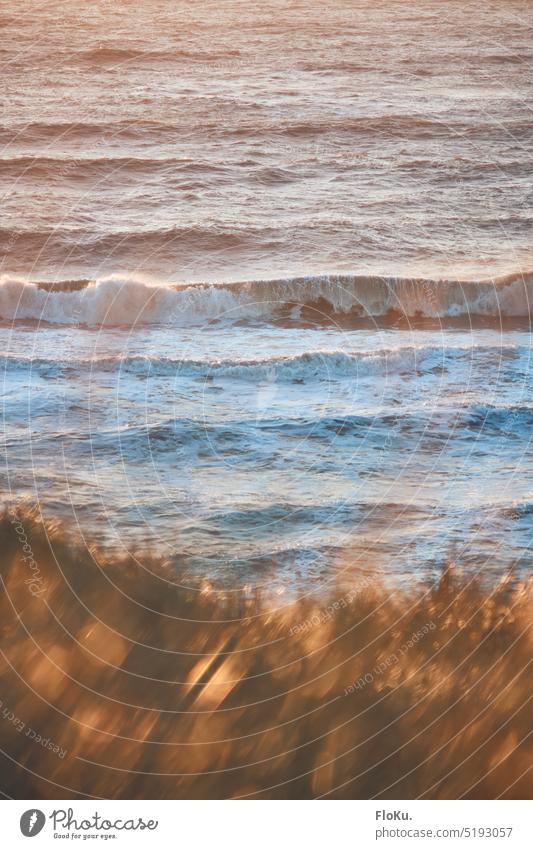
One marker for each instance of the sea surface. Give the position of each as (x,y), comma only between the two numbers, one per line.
(266,280)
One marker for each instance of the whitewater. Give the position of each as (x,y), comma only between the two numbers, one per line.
(119,300)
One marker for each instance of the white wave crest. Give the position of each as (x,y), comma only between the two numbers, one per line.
(314,365)
(129,300)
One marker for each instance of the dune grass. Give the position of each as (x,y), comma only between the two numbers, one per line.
(117,683)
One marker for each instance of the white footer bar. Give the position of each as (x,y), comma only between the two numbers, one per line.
(267,824)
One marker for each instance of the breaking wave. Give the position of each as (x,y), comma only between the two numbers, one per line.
(129,300)
(321,365)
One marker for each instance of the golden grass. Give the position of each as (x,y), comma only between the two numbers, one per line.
(154,691)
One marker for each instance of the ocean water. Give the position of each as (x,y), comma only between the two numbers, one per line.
(266,282)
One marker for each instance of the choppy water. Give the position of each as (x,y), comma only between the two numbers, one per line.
(266,280)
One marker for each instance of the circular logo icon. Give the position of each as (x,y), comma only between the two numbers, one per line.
(32,822)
